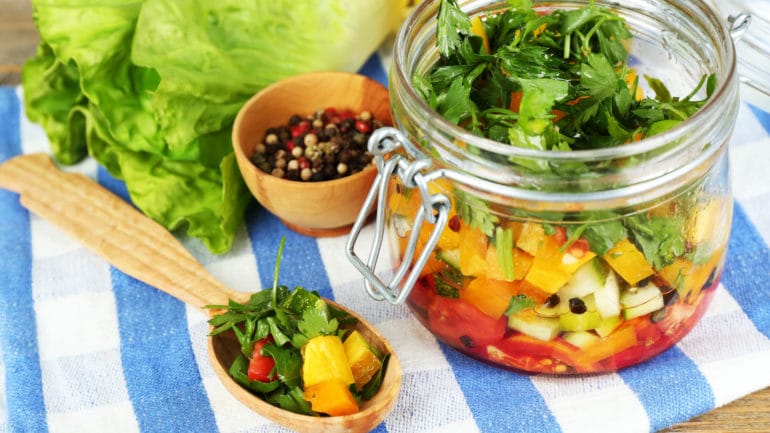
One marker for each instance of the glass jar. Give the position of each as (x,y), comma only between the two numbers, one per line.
(544,272)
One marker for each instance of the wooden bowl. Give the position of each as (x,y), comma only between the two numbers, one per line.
(324,208)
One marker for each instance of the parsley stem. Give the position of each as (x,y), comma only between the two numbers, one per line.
(275,271)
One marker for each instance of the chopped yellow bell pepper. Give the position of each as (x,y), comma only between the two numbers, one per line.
(547,270)
(521,264)
(477,28)
(688,278)
(363,362)
(332,397)
(323,358)
(628,262)
(630,78)
(531,238)
(473,251)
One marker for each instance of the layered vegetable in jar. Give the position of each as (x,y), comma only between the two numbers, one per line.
(588,201)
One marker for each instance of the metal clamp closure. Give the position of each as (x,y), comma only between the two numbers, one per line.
(739,24)
(434,210)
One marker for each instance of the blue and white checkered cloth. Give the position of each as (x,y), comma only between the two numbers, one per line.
(85,348)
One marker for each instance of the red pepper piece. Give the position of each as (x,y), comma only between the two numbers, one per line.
(260,366)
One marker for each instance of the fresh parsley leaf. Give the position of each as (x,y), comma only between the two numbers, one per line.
(598,77)
(291,400)
(238,370)
(288,363)
(661,239)
(473,211)
(537,101)
(315,322)
(531,62)
(455,104)
(662,94)
(452,21)
(518,303)
(602,231)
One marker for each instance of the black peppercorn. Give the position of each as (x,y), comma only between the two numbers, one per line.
(577,306)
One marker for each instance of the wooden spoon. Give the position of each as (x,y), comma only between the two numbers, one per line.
(142,248)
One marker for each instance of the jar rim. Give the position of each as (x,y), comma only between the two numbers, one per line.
(647,144)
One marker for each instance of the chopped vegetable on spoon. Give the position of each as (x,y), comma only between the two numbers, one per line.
(299,353)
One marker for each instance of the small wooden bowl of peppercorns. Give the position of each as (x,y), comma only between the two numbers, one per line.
(301,147)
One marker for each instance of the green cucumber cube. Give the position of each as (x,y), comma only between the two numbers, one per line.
(530,323)
(608,325)
(585,280)
(607,297)
(638,301)
(580,322)
(450,257)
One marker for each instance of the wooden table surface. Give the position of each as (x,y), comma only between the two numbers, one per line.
(18,39)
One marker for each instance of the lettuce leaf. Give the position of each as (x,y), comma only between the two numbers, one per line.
(150,89)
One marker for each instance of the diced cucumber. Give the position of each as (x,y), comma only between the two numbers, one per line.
(580,339)
(580,322)
(450,257)
(607,297)
(608,325)
(590,302)
(530,323)
(585,280)
(638,301)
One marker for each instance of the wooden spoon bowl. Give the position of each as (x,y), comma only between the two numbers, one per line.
(145,250)
(224,348)
(325,208)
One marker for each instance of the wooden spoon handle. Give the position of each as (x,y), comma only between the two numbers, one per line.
(113,229)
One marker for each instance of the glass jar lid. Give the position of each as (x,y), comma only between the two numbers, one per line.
(750,24)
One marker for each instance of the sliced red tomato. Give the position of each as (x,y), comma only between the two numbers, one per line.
(579,248)
(560,235)
(260,366)
(461,324)
(530,354)
(422,292)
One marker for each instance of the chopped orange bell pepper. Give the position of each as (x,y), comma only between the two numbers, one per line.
(490,296)
(331,397)
(363,362)
(323,358)
(515,103)
(623,338)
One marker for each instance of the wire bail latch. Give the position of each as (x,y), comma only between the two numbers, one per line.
(434,210)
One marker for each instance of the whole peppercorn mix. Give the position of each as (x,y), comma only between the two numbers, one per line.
(329,144)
